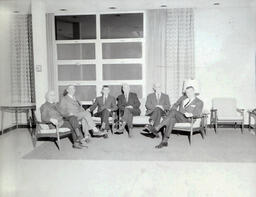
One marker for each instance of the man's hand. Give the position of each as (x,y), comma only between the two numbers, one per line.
(160,106)
(54,121)
(188,115)
(109,110)
(129,107)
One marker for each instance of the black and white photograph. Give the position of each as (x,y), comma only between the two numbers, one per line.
(127,98)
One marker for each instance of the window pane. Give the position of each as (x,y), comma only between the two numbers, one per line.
(122,71)
(115,90)
(86,72)
(76,51)
(121,25)
(75,27)
(122,50)
(83,93)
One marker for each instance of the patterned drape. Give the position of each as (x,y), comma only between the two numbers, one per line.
(170,49)
(22,73)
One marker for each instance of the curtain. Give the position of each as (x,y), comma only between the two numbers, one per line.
(22,68)
(51,51)
(170,49)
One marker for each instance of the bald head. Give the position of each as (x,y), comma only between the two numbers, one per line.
(125,88)
(50,96)
(157,87)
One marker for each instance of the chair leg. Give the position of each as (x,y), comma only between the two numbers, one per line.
(190,137)
(202,132)
(58,142)
(242,128)
(215,127)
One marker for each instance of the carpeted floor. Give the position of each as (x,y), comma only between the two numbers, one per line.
(229,145)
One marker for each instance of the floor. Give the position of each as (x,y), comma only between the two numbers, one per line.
(112,178)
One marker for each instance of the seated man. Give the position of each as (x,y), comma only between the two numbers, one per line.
(189,105)
(70,106)
(106,105)
(157,104)
(50,113)
(129,106)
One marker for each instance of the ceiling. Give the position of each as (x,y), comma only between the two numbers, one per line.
(92,6)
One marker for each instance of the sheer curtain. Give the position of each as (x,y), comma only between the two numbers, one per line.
(170,49)
(22,68)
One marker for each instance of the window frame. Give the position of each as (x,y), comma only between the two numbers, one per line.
(99,61)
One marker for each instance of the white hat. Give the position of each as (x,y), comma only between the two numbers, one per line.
(191,82)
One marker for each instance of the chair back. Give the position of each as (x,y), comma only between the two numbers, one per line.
(226,107)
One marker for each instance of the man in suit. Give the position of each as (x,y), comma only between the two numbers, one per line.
(106,105)
(70,106)
(189,105)
(50,113)
(129,106)
(157,104)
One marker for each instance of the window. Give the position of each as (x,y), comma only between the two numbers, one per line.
(75,27)
(89,62)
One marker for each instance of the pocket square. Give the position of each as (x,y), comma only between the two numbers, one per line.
(192,106)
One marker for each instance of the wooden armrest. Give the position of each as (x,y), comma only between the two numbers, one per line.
(47,123)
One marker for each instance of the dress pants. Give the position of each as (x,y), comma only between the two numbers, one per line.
(128,116)
(173,117)
(104,116)
(85,115)
(75,125)
(67,124)
(156,115)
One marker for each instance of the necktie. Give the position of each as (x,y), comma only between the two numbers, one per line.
(104,100)
(126,97)
(158,98)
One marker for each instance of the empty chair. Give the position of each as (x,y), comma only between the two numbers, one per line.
(225,111)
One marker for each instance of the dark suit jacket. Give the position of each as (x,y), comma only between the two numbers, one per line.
(195,107)
(69,105)
(110,103)
(132,100)
(51,110)
(151,102)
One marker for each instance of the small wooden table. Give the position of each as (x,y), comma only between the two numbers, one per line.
(17,108)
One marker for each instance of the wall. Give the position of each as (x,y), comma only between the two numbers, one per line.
(5,63)
(40,50)
(225,52)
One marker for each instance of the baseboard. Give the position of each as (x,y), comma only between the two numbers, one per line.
(6,130)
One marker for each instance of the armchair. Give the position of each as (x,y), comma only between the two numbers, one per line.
(198,123)
(43,131)
(252,114)
(225,111)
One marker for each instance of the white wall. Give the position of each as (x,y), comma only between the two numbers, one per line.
(40,50)
(225,52)
(5,63)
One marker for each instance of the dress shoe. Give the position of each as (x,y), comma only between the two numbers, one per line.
(147,128)
(83,144)
(77,146)
(162,144)
(154,131)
